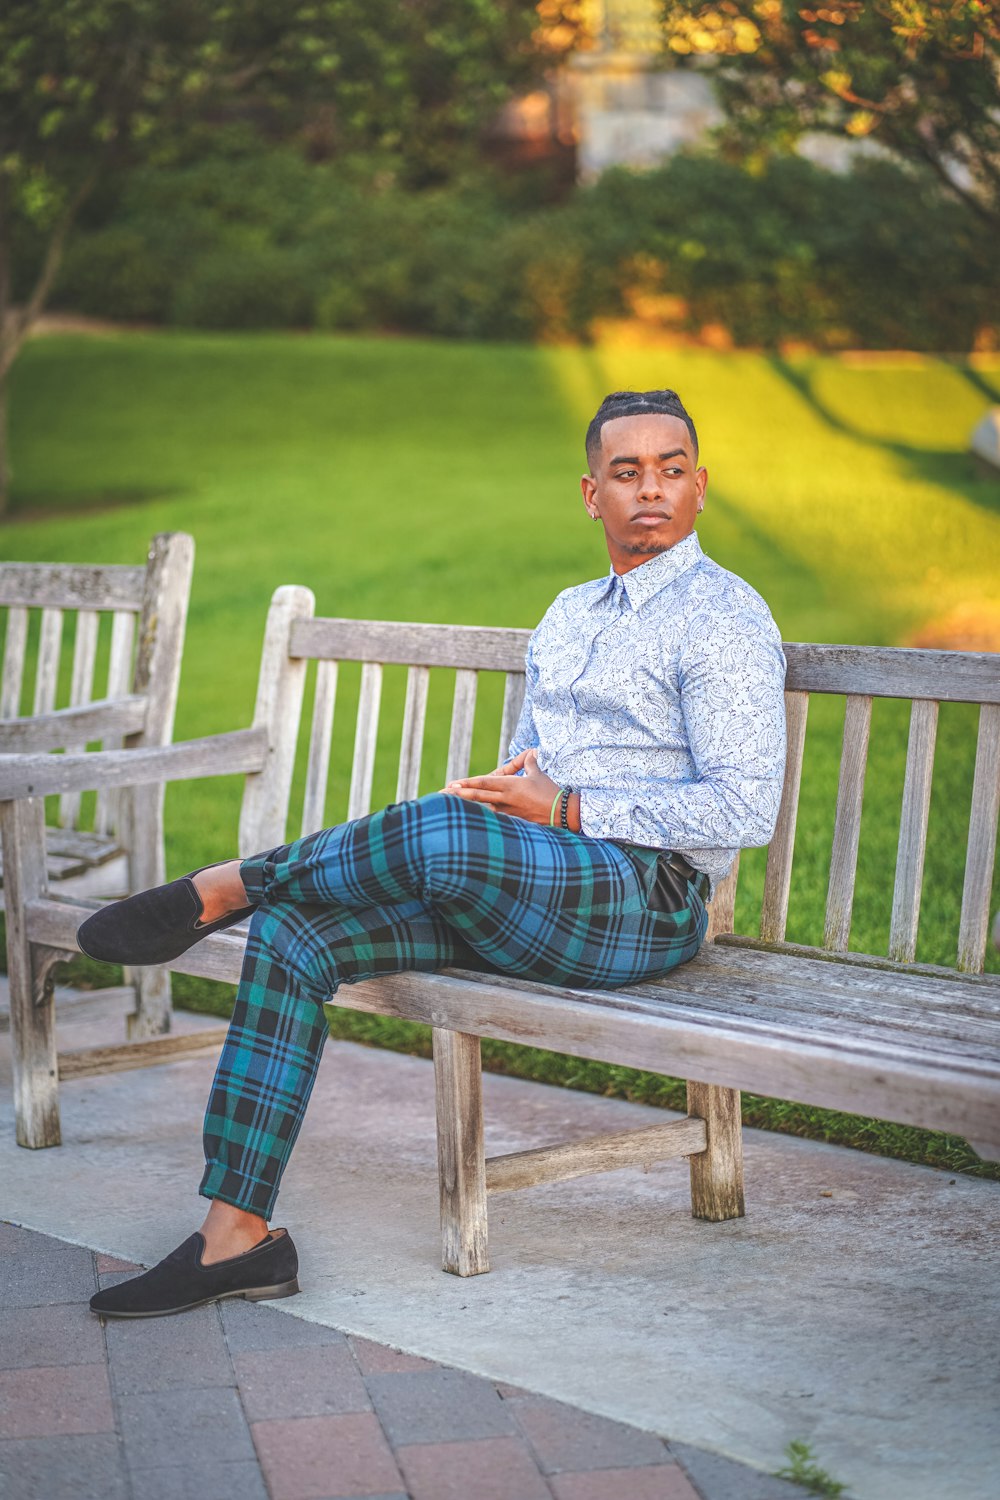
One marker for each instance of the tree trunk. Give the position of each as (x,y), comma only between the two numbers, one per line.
(15,326)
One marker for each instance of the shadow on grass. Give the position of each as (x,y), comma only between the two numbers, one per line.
(42,505)
(941,466)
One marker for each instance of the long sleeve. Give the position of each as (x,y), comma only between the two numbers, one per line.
(526,733)
(731,698)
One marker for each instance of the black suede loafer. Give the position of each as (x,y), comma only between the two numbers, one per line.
(153,926)
(181,1282)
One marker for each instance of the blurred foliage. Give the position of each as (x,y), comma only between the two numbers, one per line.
(250,240)
(88,85)
(921,77)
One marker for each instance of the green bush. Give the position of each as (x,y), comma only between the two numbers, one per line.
(877,258)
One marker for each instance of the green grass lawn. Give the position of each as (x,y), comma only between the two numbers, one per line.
(432,481)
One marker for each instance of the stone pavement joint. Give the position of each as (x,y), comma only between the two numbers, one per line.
(241,1401)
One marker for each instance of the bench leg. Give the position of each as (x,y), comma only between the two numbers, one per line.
(153,1010)
(32,1011)
(458,1087)
(153,1013)
(717,1172)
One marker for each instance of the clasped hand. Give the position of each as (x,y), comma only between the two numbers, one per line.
(529,796)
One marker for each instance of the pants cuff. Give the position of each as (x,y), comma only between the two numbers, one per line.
(252,1194)
(256,873)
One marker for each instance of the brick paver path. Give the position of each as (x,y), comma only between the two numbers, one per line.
(240,1401)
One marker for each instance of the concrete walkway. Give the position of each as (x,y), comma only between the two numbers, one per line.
(853,1307)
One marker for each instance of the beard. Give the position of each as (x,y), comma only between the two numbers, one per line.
(646,549)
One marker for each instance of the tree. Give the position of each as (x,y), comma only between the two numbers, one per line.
(922,77)
(87,86)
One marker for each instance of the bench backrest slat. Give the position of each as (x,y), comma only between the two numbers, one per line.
(847,822)
(974,920)
(412,645)
(107,813)
(893,672)
(913,831)
(58,586)
(411,746)
(778,878)
(14,648)
(320,740)
(463,713)
(513,700)
(81,691)
(49,652)
(359,800)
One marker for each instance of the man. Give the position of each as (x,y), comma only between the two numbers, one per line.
(650,748)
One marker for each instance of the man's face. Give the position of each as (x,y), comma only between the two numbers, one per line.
(646,487)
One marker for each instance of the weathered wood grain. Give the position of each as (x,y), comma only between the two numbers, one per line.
(84,1062)
(723,904)
(982,845)
(461,1155)
(14,646)
(411,747)
(320,740)
(107,812)
(187,760)
(912,831)
(359,798)
(847,822)
(102,719)
(513,699)
(717,1172)
(59,586)
(47,668)
(463,714)
(81,693)
(598,1153)
(277,715)
(894,672)
(473,647)
(36,1096)
(778,878)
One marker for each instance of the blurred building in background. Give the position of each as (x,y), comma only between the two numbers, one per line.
(619,99)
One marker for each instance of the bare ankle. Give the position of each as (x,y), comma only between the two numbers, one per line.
(220,890)
(230,1231)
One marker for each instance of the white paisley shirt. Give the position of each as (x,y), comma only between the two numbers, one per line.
(658,696)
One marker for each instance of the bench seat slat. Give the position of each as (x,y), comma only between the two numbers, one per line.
(982,843)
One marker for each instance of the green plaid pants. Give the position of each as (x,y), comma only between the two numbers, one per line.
(425,884)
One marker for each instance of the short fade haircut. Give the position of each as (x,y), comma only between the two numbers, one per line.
(635,404)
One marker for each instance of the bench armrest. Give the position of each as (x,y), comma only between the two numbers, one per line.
(103,719)
(217,755)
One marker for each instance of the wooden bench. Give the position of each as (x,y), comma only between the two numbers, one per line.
(130,621)
(882,1037)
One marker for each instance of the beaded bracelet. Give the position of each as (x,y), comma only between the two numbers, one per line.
(564,797)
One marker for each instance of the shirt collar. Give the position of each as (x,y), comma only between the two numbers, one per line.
(640,584)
